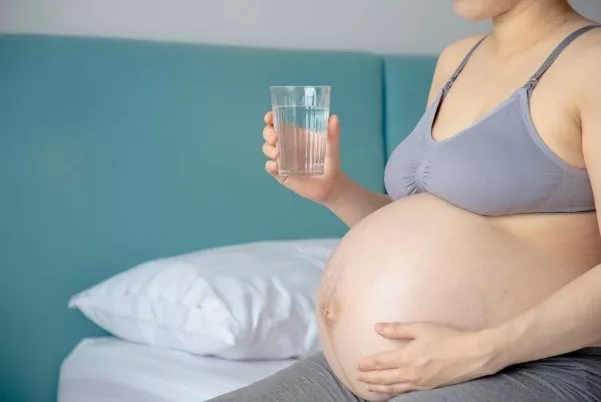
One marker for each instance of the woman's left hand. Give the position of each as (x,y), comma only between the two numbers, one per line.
(436,355)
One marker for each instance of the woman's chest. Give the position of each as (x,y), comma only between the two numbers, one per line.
(551,109)
(499,165)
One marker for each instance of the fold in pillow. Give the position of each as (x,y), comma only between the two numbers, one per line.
(240,302)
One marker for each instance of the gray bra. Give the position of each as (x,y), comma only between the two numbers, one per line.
(497,166)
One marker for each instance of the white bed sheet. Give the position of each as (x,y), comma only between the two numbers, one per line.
(110,369)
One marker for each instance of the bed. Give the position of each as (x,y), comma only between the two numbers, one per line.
(114,152)
(109,369)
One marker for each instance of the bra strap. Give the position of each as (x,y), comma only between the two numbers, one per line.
(531,84)
(451,80)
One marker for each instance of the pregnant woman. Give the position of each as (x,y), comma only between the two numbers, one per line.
(478,277)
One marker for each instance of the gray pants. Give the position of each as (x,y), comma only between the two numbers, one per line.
(573,377)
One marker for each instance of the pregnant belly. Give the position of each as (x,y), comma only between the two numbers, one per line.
(420,259)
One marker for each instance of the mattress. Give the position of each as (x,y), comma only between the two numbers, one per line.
(110,369)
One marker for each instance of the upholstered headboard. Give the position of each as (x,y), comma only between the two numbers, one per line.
(407,84)
(113,152)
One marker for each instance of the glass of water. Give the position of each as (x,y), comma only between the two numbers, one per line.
(300,118)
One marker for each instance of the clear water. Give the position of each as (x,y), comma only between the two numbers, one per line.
(301,139)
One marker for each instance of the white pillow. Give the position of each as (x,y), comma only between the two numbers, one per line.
(247,301)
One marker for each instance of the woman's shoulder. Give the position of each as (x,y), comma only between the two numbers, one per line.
(586,45)
(587,49)
(579,65)
(584,67)
(455,52)
(449,59)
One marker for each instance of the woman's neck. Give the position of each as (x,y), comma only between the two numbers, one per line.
(526,23)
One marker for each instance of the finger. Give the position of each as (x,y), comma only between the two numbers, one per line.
(333,138)
(270,151)
(382,377)
(380,361)
(399,331)
(268,118)
(271,167)
(269,135)
(395,389)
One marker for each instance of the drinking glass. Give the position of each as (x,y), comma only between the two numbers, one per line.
(300,118)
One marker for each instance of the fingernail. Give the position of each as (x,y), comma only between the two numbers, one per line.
(380,327)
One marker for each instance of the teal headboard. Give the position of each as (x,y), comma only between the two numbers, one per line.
(113,152)
(408,80)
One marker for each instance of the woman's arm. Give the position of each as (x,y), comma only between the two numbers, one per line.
(353,202)
(569,319)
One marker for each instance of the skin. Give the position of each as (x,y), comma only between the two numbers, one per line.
(434,354)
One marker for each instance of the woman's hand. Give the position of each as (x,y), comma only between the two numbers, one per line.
(320,189)
(435,355)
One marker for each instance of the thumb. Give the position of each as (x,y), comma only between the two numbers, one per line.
(399,330)
(333,138)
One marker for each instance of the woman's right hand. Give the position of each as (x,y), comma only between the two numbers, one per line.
(320,189)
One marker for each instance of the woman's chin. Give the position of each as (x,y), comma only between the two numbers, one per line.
(478,10)
(470,15)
